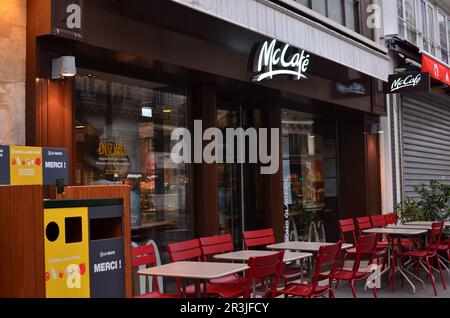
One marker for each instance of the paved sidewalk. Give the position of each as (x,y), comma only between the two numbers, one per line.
(400,292)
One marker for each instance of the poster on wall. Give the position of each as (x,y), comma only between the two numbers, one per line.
(20,165)
(314,189)
(55,165)
(26,165)
(4,165)
(112,158)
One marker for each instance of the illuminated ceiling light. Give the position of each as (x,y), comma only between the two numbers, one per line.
(147,112)
(167,111)
(80,127)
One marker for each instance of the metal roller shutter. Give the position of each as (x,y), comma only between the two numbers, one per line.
(426,140)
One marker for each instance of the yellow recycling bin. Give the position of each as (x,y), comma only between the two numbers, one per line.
(66,253)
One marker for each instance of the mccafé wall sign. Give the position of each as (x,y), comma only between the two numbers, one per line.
(407,83)
(273,58)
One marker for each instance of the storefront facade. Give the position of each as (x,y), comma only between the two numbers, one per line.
(418,117)
(141,74)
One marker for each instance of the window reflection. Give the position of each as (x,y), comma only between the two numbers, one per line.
(309,171)
(123,136)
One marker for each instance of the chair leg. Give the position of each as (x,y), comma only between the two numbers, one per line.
(394,259)
(375,292)
(352,285)
(440,271)
(431,276)
(331,293)
(418,268)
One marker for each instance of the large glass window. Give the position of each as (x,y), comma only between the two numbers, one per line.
(407,20)
(310,177)
(443,41)
(345,12)
(123,133)
(230,182)
(430,29)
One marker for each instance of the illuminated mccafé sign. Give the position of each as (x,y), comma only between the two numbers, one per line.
(409,82)
(272,58)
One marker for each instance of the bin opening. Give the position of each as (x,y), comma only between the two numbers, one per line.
(102,229)
(74,232)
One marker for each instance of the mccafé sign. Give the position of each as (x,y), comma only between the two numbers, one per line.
(272,58)
(407,83)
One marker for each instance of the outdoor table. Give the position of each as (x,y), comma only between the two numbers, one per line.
(446,224)
(398,233)
(244,256)
(312,247)
(198,271)
(410,226)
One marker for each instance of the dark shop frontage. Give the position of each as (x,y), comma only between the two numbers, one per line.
(141,74)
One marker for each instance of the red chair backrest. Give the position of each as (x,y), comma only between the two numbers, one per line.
(347,226)
(144,255)
(378,221)
(434,235)
(363,224)
(328,255)
(216,245)
(266,267)
(258,238)
(367,246)
(391,218)
(184,251)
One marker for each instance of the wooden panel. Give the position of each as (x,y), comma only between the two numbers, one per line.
(21,242)
(273,183)
(38,23)
(54,113)
(206,201)
(352,166)
(109,192)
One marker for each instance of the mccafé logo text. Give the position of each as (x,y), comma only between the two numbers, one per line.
(408,81)
(272,59)
(111,150)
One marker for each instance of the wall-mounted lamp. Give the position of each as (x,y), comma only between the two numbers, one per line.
(376,129)
(64,66)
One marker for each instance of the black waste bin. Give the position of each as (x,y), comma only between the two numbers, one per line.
(106,252)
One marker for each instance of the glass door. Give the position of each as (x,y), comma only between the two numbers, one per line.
(230,183)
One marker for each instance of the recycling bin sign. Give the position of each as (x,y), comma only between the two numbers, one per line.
(106,250)
(66,253)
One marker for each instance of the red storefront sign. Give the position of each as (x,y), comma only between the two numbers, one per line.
(436,69)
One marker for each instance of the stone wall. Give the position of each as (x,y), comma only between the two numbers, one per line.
(12,71)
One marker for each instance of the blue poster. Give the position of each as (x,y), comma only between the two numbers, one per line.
(55,165)
(5,173)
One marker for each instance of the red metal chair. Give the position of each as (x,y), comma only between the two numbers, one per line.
(391,219)
(366,248)
(262,238)
(265,269)
(145,255)
(347,228)
(328,255)
(378,221)
(191,250)
(218,245)
(363,223)
(258,238)
(428,253)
